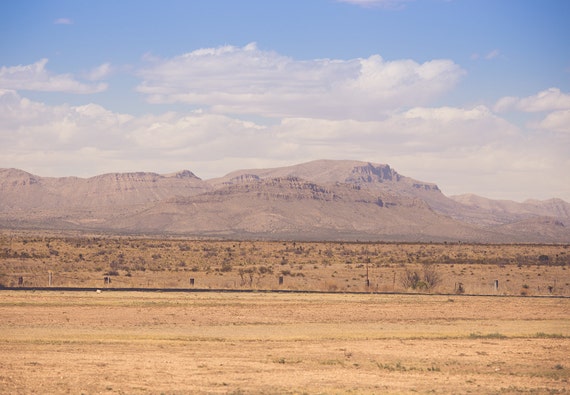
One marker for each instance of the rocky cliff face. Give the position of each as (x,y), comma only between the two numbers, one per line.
(371,173)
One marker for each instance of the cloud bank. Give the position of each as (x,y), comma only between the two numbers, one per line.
(242,107)
(248,80)
(433,144)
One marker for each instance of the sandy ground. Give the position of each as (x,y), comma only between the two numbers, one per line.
(178,343)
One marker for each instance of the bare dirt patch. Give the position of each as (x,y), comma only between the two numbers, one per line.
(132,342)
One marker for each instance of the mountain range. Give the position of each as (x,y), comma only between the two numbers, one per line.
(319,200)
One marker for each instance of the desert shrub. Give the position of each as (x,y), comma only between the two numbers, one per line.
(410,279)
(265,270)
(428,279)
(495,335)
(210,254)
(184,247)
(432,277)
(542,335)
(460,289)
(247,275)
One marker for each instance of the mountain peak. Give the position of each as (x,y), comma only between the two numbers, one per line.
(183,174)
(17,177)
(373,173)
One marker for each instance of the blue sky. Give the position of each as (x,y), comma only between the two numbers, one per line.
(472,95)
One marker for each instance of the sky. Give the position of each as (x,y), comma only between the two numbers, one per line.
(473,95)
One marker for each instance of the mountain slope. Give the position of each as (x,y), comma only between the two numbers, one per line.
(26,197)
(328,172)
(324,199)
(557,208)
(292,208)
(19,189)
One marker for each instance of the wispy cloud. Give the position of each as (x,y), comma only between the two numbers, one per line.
(63,21)
(35,77)
(548,100)
(493,54)
(248,80)
(100,72)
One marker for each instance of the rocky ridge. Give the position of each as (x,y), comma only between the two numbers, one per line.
(320,200)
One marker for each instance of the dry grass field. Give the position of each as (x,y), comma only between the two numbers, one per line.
(232,343)
(129,262)
(390,318)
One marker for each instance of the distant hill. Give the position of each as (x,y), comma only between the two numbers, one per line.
(319,200)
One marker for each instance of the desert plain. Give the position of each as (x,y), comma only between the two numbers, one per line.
(281,317)
(230,343)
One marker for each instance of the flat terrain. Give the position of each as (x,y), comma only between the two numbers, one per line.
(132,343)
(129,262)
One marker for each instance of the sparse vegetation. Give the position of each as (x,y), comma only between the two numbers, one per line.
(360,267)
(494,335)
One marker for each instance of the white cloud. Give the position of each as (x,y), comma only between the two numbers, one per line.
(28,125)
(548,100)
(63,21)
(100,72)
(463,150)
(552,101)
(35,77)
(417,130)
(251,81)
(557,121)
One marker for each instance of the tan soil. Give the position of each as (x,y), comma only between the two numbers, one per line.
(177,343)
